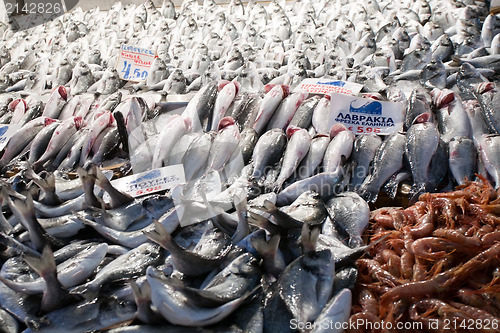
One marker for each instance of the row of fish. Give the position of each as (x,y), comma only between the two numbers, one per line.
(375,43)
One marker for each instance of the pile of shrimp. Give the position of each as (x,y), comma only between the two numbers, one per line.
(436,263)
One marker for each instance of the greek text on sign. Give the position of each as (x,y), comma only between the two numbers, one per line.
(134,63)
(364,115)
(327,86)
(151,181)
(6,132)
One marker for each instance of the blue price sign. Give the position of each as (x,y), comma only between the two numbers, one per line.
(134,63)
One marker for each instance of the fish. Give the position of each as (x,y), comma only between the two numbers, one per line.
(462,159)
(364,150)
(268,151)
(387,161)
(351,213)
(177,125)
(422,138)
(297,147)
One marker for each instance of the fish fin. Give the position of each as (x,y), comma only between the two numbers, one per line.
(88,183)
(4,224)
(266,248)
(54,296)
(118,198)
(47,186)
(142,297)
(43,264)
(309,238)
(243,228)
(160,235)
(262,222)
(270,207)
(368,195)
(415,192)
(25,212)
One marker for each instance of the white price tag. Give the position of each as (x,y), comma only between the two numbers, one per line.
(365,115)
(151,181)
(328,86)
(134,63)
(6,132)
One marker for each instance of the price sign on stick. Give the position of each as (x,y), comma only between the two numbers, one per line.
(134,63)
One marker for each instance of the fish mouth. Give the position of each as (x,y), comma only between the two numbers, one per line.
(484,87)
(63,92)
(442,97)
(225,122)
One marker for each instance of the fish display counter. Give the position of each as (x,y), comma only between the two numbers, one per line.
(283,166)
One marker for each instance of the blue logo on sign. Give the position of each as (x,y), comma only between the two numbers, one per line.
(3,130)
(372,107)
(333,83)
(150,175)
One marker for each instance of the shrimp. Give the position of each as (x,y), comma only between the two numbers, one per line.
(367,318)
(437,308)
(407,262)
(377,272)
(368,301)
(433,248)
(435,285)
(424,226)
(449,210)
(477,263)
(393,262)
(382,217)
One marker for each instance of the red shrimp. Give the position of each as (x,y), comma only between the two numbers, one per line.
(368,301)
(377,272)
(424,226)
(367,318)
(393,262)
(435,285)
(433,248)
(407,262)
(457,237)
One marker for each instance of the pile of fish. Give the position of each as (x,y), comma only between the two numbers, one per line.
(85,263)
(438,263)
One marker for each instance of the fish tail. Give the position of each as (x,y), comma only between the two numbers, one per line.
(54,296)
(368,195)
(160,236)
(88,183)
(118,198)
(309,238)
(266,248)
(43,265)
(416,191)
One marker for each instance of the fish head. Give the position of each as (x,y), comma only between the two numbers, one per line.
(17,103)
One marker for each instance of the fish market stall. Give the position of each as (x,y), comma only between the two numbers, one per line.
(283,166)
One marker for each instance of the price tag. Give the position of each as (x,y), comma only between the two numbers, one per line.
(151,181)
(365,115)
(6,132)
(134,63)
(327,86)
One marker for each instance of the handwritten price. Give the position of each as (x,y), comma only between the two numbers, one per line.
(136,75)
(363,130)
